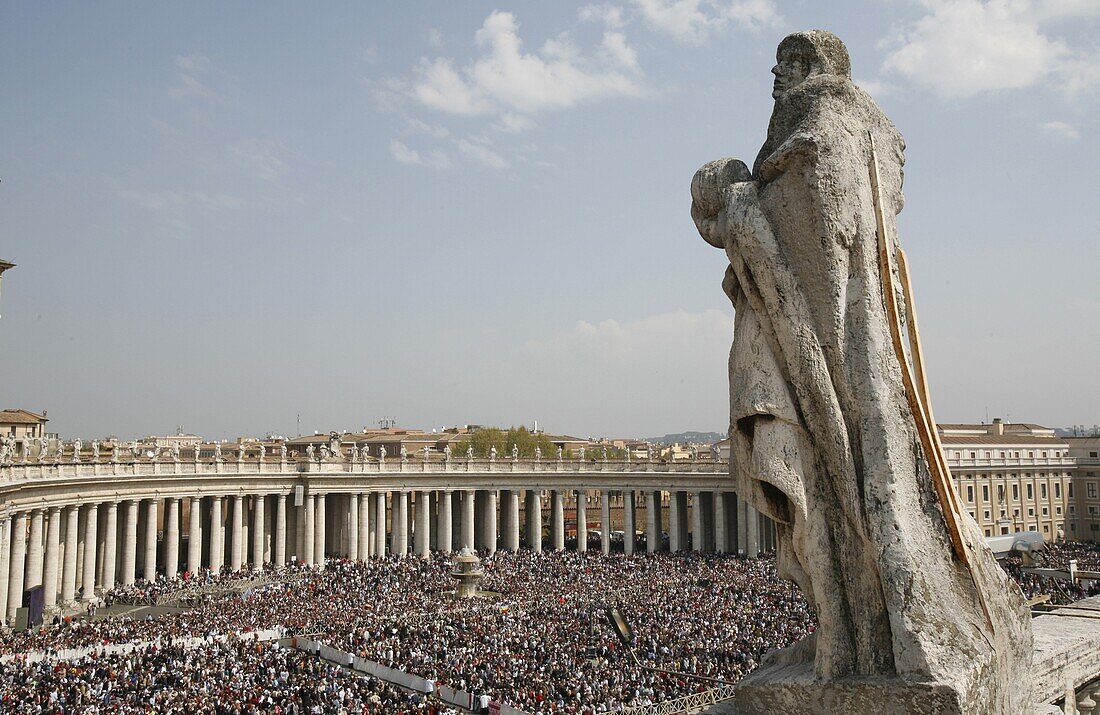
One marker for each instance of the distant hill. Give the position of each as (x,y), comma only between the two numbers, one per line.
(698,437)
(1078,431)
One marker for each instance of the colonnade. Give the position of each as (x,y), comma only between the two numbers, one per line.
(75,551)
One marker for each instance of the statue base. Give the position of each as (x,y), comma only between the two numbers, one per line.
(792,690)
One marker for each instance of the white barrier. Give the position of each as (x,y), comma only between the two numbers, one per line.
(115,648)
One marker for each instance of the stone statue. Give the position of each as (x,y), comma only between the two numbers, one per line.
(282,452)
(404,454)
(493,453)
(427,452)
(382,453)
(538,454)
(515,452)
(77,446)
(240,452)
(217,451)
(95,451)
(823,439)
(43,447)
(604,453)
(353,454)
(559,452)
(309,452)
(197,453)
(325,453)
(447,452)
(262,453)
(334,445)
(469,452)
(175,452)
(582,454)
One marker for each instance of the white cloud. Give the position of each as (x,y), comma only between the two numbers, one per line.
(482,153)
(435,38)
(1060,130)
(875,87)
(694,21)
(189,86)
(962,48)
(511,123)
(406,155)
(260,156)
(415,126)
(610,15)
(505,78)
(161,201)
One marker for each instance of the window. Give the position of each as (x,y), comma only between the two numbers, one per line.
(985,515)
(1000,493)
(1015,512)
(1057,490)
(1031,511)
(970,493)
(1015,492)
(1046,528)
(1094,454)
(1030,492)
(1046,511)
(972,455)
(1016,455)
(1093,511)
(1031,455)
(1044,454)
(1004,530)
(1058,510)
(985,492)
(1069,490)
(989,532)
(1043,490)
(1090,490)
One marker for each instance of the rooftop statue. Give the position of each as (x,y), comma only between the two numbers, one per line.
(830,434)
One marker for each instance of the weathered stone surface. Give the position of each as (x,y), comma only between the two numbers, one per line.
(1067,649)
(823,438)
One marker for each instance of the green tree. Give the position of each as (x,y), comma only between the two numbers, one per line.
(485,438)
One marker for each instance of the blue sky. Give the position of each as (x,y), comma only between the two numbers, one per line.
(225,215)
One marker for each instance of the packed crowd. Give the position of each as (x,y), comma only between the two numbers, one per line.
(541,642)
(1058,556)
(235,676)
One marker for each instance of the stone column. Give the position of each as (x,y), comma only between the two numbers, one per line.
(423,525)
(698,539)
(151,541)
(534,520)
(399,525)
(53,547)
(236,535)
(34,550)
(721,539)
(630,530)
(5,565)
(110,542)
(653,523)
(468,497)
(366,548)
(68,569)
(217,535)
(557,520)
(16,569)
(748,529)
(280,531)
(351,519)
(171,537)
(491,521)
(258,531)
(675,520)
(380,525)
(443,526)
(511,508)
(129,544)
(582,520)
(319,536)
(309,530)
(91,527)
(605,522)
(194,536)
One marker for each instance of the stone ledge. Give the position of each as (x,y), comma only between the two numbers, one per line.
(1067,649)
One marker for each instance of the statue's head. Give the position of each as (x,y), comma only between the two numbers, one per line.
(802,55)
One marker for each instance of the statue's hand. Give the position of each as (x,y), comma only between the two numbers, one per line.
(707,188)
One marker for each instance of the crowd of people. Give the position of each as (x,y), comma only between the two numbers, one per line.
(235,676)
(539,640)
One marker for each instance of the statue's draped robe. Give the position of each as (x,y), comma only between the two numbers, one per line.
(823,439)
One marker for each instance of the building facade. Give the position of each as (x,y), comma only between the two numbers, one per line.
(1013,477)
(1085,452)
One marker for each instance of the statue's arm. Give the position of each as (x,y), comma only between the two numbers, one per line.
(707,196)
(798,149)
